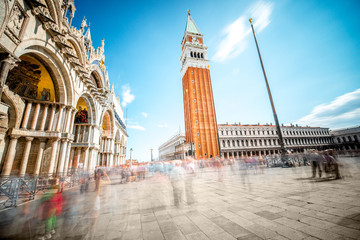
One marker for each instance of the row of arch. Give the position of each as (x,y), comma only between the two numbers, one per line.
(273,132)
(274,142)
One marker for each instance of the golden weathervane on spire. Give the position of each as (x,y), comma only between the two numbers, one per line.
(189,11)
(250,20)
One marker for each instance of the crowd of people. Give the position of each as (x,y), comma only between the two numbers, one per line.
(180,175)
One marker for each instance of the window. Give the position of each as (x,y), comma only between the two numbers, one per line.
(194,100)
(197,122)
(195,110)
(192,72)
(193,90)
(202,55)
(199,145)
(198,133)
(191,54)
(193,81)
(222,132)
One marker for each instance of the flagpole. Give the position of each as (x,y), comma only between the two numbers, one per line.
(281,141)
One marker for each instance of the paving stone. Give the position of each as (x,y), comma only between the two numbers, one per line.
(230,227)
(132,235)
(176,235)
(153,235)
(188,228)
(222,236)
(197,236)
(268,215)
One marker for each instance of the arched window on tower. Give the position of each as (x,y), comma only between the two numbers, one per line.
(202,55)
(191,54)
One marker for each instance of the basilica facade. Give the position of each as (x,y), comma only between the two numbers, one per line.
(58,111)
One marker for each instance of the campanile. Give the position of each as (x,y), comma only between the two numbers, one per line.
(199,109)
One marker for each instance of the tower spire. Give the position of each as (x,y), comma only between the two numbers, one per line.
(191,26)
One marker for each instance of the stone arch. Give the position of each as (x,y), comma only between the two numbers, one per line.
(49,56)
(55,10)
(4,13)
(30,77)
(79,51)
(107,123)
(86,100)
(97,74)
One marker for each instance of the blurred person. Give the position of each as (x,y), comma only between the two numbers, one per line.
(177,176)
(315,160)
(190,174)
(84,182)
(50,208)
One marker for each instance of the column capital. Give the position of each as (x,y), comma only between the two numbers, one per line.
(28,139)
(62,106)
(53,140)
(14,137)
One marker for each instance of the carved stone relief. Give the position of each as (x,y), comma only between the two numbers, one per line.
(16,23)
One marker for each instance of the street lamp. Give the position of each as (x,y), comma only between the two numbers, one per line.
(131,157)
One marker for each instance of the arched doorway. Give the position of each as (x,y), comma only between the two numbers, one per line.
(106,140)
(37,98)
(84,124)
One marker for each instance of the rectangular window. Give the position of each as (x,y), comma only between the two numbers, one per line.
(199,145)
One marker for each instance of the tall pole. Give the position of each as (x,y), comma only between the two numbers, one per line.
(131,157)
(281,141)
(151,151)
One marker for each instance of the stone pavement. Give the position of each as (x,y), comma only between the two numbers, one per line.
(280,203)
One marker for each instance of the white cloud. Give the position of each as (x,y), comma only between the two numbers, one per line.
(137,127)
(144,114)
(126,94)
(162,125)
(344,111)
(233,42)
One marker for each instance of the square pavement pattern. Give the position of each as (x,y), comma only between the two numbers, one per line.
(275,203)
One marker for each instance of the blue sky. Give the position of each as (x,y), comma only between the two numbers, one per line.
(310,49)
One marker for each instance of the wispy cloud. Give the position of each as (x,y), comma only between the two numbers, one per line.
(344,111)
(137,127)
(162,125)
(144,114)
(127,96)
(233,42)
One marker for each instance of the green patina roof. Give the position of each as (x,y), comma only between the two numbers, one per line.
(191,26)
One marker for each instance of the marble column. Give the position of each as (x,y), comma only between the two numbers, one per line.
(61,111)
(39,156)
(10,155)
(71,158)
(77,158)
(68,118)
(26,115)
(35,116)
(52,115)
(25,157)
(67,157)
(72,120)
(44,116)
(86,158)
(63,150)
(54,145)
(7,63)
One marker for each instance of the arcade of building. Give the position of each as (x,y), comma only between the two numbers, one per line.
(58,111)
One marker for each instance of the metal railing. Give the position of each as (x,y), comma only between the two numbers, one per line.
(15,189)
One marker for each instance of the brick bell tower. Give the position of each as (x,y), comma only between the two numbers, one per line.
(199,109)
